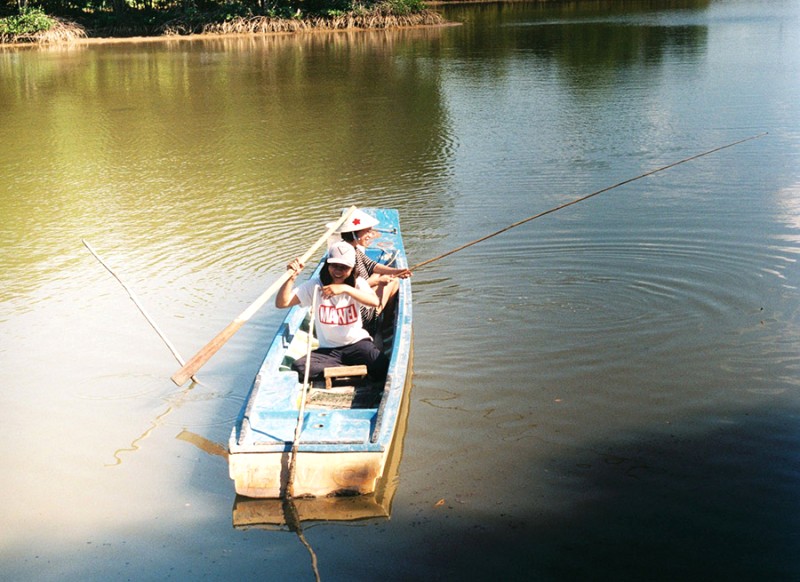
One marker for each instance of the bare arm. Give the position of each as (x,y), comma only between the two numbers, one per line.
(284,297)
(381,274)
(366,297)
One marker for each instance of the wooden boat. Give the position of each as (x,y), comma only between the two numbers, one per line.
(275,515)
(347,432)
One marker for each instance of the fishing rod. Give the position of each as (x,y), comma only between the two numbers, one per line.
(586,197)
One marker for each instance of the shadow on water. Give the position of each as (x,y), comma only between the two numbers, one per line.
(719,505)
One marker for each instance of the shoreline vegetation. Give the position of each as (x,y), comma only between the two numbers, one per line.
(52,24)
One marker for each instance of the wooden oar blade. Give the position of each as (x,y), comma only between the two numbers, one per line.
(200,358)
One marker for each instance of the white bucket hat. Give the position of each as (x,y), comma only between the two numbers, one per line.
(359,220)
(342,253)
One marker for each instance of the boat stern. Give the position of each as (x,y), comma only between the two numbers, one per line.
(316,474)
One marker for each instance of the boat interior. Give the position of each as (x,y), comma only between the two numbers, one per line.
(345,387)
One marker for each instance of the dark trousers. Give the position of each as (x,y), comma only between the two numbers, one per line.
(362,352)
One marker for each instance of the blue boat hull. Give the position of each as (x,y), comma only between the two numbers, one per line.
(341,450)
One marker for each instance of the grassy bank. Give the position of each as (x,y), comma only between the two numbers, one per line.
(34,25)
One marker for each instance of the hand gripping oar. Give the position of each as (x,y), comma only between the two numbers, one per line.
(200,358)
(582,198)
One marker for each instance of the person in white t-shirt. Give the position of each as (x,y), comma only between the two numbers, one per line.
(343,341)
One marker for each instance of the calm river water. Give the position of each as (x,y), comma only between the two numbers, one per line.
(609,392)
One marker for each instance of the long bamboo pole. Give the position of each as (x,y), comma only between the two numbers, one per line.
(136,302)
(302,408)
(200,358)
(582,198)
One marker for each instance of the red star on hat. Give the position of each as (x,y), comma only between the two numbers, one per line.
(356,221)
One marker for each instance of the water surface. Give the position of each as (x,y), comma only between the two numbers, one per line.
(610,391)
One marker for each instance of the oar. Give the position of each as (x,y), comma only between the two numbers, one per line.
(135,300)
(582,198)
(200,358)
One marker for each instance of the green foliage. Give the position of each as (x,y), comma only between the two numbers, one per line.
(28,21)
(152,17)
(401,7)
(220,12)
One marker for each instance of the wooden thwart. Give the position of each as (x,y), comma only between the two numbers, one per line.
(343,372)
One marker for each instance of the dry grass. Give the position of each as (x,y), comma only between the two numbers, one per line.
(66,32)
(264,24)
